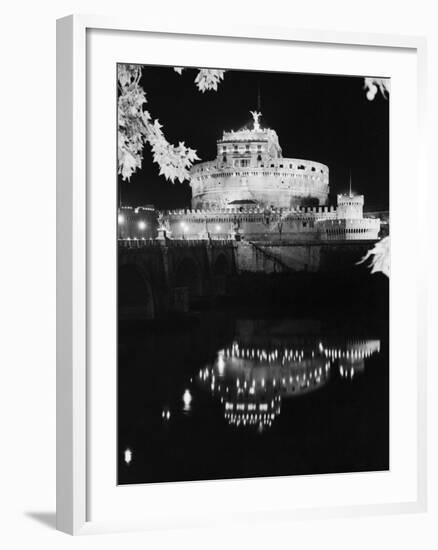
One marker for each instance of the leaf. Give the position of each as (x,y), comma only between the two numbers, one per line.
(379,257)
(135,128)
(208,79)
(373,85)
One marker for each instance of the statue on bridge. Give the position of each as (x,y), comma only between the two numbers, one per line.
(163,227)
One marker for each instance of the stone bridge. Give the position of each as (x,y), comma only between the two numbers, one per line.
(156,277)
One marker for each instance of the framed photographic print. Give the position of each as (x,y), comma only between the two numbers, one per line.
(240,326)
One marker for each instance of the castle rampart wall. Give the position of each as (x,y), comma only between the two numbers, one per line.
(297,224)
(280,182)
(349,229)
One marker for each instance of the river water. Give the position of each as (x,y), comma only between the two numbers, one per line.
(229,395)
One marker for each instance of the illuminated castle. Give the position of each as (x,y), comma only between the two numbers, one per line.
(250,170)
(250,191)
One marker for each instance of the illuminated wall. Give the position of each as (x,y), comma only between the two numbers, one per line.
(137,223)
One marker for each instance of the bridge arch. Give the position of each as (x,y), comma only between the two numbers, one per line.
(221,266)
(136,298)
(188,274)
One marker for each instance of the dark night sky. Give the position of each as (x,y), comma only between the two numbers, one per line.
(322,118)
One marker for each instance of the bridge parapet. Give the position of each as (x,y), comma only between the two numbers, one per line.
(176,243)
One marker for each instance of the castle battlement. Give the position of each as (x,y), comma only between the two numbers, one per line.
(316,210)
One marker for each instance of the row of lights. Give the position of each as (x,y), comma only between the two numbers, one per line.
(262,421)
(344,372)
(251,384)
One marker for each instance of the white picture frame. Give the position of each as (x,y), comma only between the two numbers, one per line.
(73,277)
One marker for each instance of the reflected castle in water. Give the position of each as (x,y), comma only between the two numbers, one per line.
(251,381)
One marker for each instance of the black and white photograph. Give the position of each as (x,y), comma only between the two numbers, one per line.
(253,273)
(224,334)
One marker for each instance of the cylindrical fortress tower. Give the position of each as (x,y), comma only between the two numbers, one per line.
(249,169)
(350,207)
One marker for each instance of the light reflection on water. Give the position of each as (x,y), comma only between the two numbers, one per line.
(212,401)
(187,399)
(251,381)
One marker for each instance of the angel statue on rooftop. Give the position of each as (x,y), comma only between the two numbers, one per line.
(256,115)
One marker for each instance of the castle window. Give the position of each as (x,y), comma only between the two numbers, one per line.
(224,158)
(313,169)
(301,167)
(259,157)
